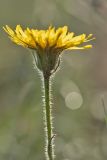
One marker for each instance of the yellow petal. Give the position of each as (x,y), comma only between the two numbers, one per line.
(84,47)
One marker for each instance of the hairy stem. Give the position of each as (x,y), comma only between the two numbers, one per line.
(48,118)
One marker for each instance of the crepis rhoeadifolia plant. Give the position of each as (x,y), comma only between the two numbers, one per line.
(46,47)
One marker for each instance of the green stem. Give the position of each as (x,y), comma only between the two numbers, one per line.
(48,118)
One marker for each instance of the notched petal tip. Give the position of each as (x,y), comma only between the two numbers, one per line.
(65,29)
(4,29)
(18,28)
(8,30)
(90,35)
(89,38)
(50,27)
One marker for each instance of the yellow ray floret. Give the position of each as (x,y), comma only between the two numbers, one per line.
(51,38)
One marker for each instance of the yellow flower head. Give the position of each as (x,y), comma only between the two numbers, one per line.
(48,43)
(51,38)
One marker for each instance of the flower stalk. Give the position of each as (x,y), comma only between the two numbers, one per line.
(48,118)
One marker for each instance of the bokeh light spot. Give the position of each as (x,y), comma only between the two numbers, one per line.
(74,100)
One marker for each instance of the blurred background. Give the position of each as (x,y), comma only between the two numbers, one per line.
(79,87)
